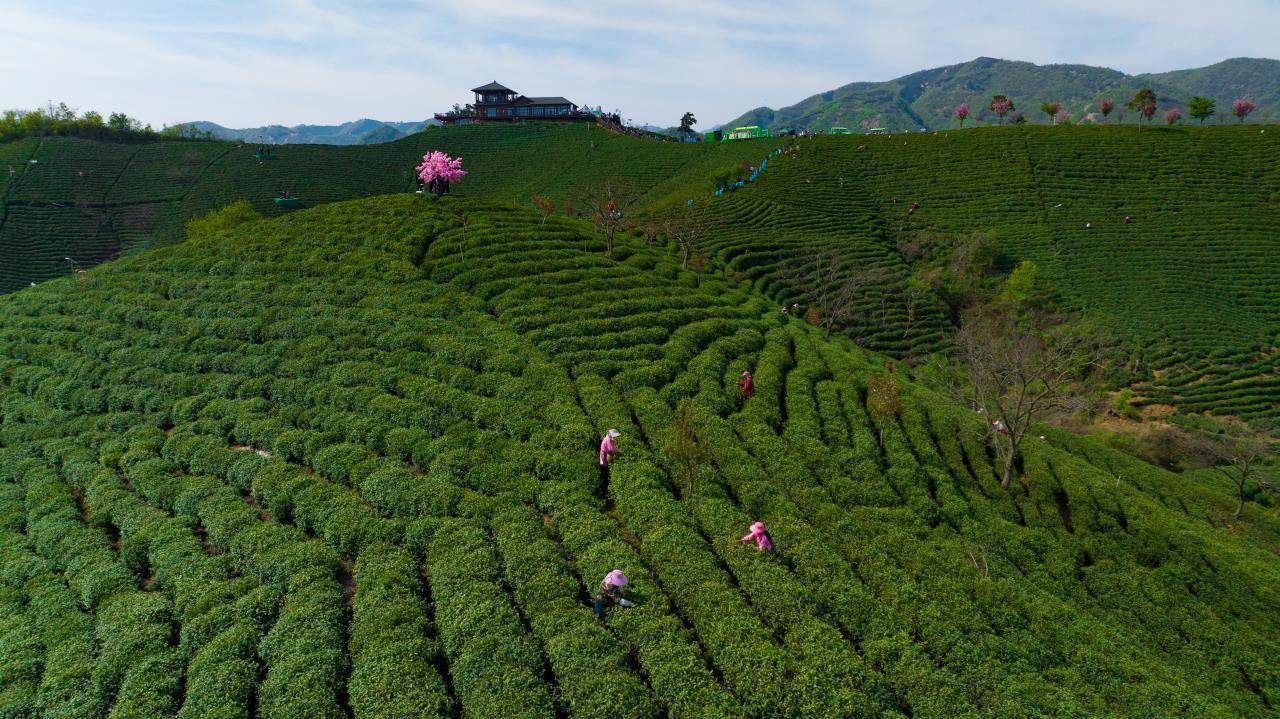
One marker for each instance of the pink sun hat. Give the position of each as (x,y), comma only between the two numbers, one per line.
(616,578)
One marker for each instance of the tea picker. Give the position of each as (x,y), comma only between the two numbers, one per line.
(608,452)
(748,384)
(612,591)
(760,536)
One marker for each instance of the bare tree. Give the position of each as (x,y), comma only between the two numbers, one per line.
(684,229)
(1237,454)
(829,281)
(1020,367)
(917,297)
(650,230)
(546,206)
(607,206)
(683,446)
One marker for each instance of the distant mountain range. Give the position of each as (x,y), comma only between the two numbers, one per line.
(927,99)
(924,99)
(359,132)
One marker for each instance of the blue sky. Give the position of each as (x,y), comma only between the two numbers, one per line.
(317,61)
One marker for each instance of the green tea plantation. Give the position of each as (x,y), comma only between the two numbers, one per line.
(342,463)
(1167,236)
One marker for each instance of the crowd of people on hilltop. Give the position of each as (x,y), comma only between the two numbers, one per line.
(613,123)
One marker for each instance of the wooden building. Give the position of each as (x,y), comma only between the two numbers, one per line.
(497,103)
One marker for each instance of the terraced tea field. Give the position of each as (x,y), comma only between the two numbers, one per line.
(342,463)
(1188,283)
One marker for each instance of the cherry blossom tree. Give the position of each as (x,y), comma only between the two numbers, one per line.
(1001,106)
(1242,107)
(1062,118)
(1144,101)
(438,170)
(1172,117)
(962,112)
(1106,106)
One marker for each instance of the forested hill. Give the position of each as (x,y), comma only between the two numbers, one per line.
(927,99)
(357,132)
(342,463)
(1188,282)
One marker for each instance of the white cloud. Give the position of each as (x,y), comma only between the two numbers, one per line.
(323,61)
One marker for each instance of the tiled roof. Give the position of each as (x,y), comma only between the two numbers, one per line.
(492,87)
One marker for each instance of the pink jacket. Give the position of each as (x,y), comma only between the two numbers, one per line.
(760,536)
(607,448)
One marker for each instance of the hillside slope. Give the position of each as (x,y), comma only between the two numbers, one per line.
(342,463)
(90,200)
(1257,78)
(926,99)
(1188,284)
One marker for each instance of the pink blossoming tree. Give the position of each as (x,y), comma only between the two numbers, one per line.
(1062,118)
(1242,107)
(438,170)
(1106,106)
(1001,106)
(1172,117)
(962,112)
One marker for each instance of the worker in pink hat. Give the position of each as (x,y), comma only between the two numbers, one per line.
(608,452)
(760,537)
(612,591)
(748,384)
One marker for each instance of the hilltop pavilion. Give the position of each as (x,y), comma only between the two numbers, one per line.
(496,102)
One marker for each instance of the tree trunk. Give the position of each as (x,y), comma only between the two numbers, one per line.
(1006,477)
(1239,501)
(684,260)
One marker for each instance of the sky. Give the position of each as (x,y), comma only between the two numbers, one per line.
(287,62)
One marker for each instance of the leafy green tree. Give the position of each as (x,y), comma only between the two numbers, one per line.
(1027,287)
(64,121)
(884,398)
(687,121)
(1202,108)
(959,280)
(1051,109)
(723,177)
(122,123)
(186,131)
(1144,103)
